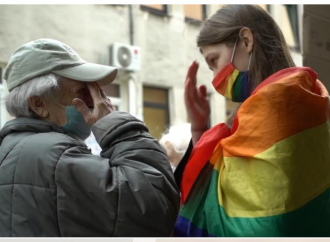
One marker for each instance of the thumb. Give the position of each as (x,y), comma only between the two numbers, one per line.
(82,108)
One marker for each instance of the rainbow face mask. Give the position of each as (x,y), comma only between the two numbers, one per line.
(232,83)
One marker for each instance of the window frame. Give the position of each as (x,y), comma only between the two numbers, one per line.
(297,48)
(197,22)
(163,13)
(296,36)
(165,107)
(120,101)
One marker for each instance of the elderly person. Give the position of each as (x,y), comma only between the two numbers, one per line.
(50,183)
(176,142)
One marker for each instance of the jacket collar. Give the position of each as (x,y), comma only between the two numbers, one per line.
(30,125)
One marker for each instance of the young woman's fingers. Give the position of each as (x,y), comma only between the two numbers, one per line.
(191,101)
(187,93)
(203,91)
(193,72)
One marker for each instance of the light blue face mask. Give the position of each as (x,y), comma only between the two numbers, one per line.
(76,123)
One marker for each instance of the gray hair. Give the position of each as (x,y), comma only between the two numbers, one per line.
(17,101)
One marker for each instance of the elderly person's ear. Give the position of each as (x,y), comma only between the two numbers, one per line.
(39,106)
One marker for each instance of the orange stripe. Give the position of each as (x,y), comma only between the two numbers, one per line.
(275,77)
(221,80)
(223,87)
(276,111)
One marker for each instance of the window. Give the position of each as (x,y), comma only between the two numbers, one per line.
(264,6)
(287,18)
(292,12)
(195,12)
(158,9)
(156,110)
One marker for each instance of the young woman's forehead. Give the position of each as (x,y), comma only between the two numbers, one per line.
(214,49)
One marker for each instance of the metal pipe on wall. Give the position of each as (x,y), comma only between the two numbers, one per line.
(131,24)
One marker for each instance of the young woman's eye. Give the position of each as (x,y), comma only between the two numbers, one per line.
(214,61)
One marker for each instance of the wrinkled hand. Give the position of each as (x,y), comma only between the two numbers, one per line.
(102,105)
(197,105)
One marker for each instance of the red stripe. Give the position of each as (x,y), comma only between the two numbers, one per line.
(220,82)
(200,156)
(283,73)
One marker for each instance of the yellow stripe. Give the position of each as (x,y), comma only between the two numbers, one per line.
(281,179)
(230,84)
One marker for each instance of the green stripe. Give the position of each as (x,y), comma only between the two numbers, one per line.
(203,209)
(237,88)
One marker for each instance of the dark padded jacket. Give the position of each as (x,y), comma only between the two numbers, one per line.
(51,184)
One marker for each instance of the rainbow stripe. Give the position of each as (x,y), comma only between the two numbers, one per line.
(270,174)
(232,84)
(240,90)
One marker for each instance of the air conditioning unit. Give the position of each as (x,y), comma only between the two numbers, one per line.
(126,57)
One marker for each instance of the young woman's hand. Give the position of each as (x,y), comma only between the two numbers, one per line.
(197,105)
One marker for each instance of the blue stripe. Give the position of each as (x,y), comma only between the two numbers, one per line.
(184,228)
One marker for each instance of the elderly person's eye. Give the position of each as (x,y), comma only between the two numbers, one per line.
(82,93)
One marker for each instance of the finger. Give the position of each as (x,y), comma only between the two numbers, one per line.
(193,93)
(103,94)
(109,104)
(113,108)
(81,106)
(191,99)
(203,99)
(188,93)
(191,68)
(97,85)
(192,72)
(94,91)
(202,91)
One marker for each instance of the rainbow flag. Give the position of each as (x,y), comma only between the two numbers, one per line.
(269,175)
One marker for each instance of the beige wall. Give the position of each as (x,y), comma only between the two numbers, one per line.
(167,44)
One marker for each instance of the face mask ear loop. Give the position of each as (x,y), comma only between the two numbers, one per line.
(232,57)
(59,104)
(250,61)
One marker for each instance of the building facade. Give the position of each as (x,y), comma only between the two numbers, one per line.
(166,35)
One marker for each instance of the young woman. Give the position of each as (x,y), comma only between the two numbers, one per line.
(268,174)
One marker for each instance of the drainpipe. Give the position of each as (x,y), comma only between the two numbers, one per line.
(132,100)
(131,24)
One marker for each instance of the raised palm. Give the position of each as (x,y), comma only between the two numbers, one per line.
(197,104)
